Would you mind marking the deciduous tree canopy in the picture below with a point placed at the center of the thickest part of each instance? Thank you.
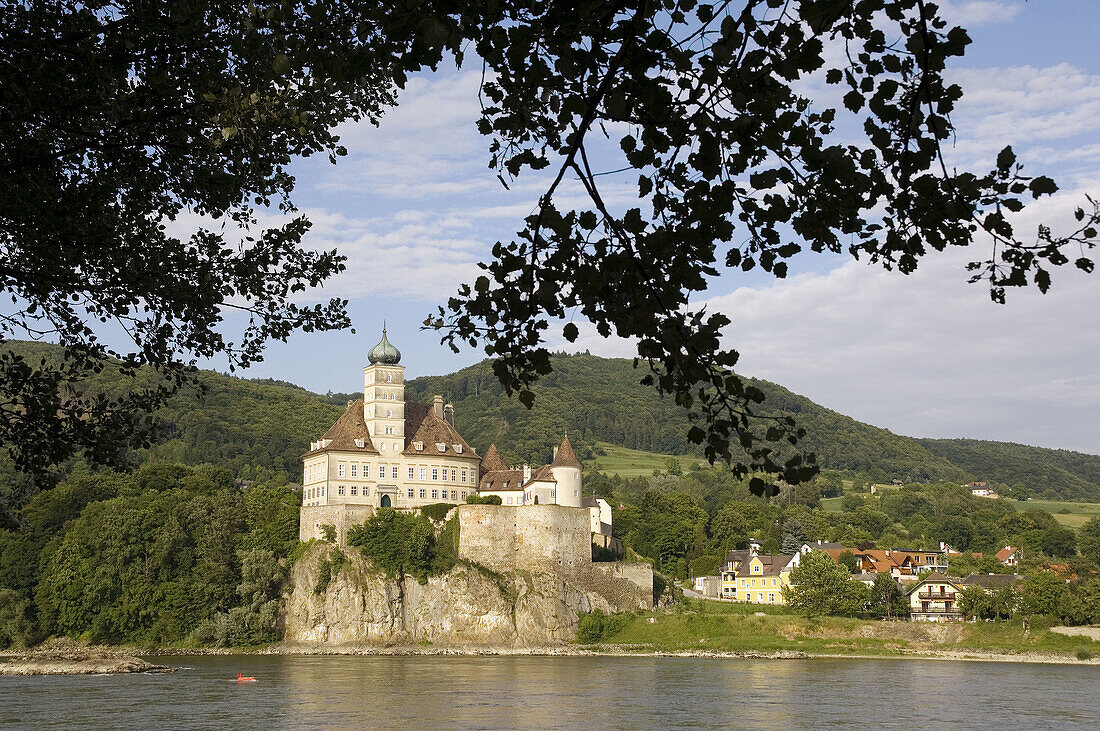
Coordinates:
(121, 117)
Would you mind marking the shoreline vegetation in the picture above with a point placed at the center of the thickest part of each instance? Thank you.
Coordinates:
(690, 630)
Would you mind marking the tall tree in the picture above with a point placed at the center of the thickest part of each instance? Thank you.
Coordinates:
(138, 143)
(820, 585)
(794, 535)
(734, 166)
(119, 118)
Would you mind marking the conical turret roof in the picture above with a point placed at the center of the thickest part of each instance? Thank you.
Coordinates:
(492, 461)
(384, 352)
(566, 457)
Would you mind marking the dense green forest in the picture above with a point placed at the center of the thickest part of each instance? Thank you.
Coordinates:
(601, 399)
(1049, 472)
(166, 555)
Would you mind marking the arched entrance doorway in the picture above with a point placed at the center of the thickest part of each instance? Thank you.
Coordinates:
(385, 501)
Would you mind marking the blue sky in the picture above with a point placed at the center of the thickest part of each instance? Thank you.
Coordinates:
(414, 207)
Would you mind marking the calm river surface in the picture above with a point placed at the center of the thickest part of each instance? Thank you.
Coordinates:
(561, 692)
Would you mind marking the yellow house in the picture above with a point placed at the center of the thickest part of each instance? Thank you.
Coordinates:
(761, 579)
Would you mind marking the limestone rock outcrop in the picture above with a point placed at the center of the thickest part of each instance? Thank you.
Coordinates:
(469, 607)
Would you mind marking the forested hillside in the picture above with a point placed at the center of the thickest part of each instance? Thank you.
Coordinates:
(256, 428)
(1060, 471)
(600, 399)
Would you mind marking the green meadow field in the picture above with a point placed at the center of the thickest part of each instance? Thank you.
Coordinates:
(637, 463)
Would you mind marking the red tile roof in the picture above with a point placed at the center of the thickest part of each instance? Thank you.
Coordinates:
(565, 456)
(492, 461)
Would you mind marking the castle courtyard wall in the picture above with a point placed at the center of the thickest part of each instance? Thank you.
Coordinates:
(528, 537)
(341, 517)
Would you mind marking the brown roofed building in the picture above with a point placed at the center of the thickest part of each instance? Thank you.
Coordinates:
(386, 452)
(558, 483)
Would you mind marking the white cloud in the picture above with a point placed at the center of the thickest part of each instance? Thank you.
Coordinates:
(929, 355)
(972, 13)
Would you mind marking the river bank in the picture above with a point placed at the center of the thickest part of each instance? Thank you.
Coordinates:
(77, 663)
(122, 659)
(699, 630)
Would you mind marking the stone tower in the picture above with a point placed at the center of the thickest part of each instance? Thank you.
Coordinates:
(384, 397)
(567, 473)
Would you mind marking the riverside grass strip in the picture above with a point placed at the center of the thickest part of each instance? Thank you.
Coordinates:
(736, 628)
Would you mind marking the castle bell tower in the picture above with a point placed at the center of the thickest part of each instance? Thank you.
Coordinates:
(384, 395)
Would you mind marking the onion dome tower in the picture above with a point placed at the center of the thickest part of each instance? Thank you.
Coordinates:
(384, 353)
(384, 397)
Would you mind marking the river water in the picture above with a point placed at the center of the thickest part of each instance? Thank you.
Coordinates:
(561, 692)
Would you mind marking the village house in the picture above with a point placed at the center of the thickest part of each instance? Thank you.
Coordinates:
(992, 582)
(1008, 556)
(902, 565)
(760, 579)
(934, 599)
(709, 586)
(730, 566)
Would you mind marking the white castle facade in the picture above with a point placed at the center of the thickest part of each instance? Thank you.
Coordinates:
(387, 452)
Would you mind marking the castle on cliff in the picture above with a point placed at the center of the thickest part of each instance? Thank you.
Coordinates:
(387, 452)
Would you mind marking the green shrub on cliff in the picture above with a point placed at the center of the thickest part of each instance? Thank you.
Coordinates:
(398, 543)
(436, 512)
(595, 626)
(483, 500)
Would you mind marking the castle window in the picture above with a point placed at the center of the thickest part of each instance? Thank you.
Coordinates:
(354, 489)
(463, 494)
(423, 473)
(410, 493)
(340, 490)
(418, 446)
(381, 472)
(366, 491)
(354, 470)
(458, 448)
(389, 430)
(360, 443)
(463, 475)
(441, 447)
(505, 486)
(340, 470)
(435, 476)
(412, 472)
(454, 494)
(423, 494)
(393, 473)
(435, 494)
(454, 475)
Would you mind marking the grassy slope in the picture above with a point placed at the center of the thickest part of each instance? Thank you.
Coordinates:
(723, 627)
(1071, 514)
(635, 462)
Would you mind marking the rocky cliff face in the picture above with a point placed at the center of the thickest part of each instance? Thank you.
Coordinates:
(468, 607)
